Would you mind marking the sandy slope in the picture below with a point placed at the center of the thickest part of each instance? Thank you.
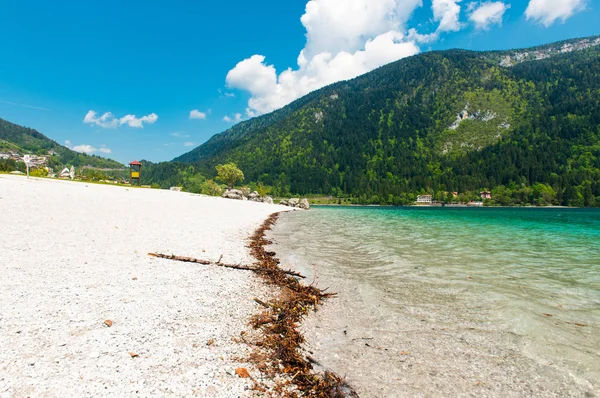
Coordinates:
(75, 254)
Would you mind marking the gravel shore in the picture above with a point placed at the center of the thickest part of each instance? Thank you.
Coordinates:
(73, 255)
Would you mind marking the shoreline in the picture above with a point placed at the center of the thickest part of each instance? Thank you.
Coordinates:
(75, 256)
(279, 353)
(453, 206)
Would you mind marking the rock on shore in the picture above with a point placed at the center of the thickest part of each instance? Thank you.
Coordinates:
(254, 196)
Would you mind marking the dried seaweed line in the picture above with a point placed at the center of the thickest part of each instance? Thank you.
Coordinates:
(279, 323)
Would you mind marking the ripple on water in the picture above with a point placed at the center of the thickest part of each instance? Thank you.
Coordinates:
(492, 294)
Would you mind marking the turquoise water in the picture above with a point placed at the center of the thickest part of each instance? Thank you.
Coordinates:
(533, 273)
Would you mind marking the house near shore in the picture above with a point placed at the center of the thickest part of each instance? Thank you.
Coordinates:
(485, 194)
(424, 199)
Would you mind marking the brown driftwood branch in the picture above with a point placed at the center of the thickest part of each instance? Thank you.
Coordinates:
(259, 301)
(219, 263)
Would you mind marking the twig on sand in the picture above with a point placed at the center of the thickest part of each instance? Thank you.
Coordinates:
(259, 301)
(220, 264)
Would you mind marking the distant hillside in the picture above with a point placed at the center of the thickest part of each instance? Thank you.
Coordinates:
(524, 123)
(29, 141)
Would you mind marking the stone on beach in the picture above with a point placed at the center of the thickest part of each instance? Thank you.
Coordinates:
(293, 202)
(234, 194)
(304, 204)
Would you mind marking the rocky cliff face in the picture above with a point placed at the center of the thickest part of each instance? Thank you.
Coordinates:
(548, 51)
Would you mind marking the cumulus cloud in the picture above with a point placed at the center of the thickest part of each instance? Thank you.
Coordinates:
(108, 120)
(333, 26)
(547, 12)
(415, 36)
(84, 149)
(189, 144)
(236, 118)
(345, 38)
(133, 121)
(196, 114)
(447, 13)
(487, 14)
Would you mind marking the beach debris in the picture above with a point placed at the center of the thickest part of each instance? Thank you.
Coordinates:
(259, 301)
(242, 372)
(278, 354)
(210, 342)
(404, 353)
(220, 264)
(548, 315)
(580, 324)
(133, 354)
(108, 322)
(134, 278)
(312, 360)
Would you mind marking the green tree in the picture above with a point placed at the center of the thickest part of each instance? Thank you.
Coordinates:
(229, 174)
(262, 189)
(211, 188)
(39, 172)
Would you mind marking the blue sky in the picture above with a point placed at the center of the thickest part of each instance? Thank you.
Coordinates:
(121, 78)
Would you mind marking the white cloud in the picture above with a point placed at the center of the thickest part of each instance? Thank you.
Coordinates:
(447, 13)
(108, 120)
(333, 26)
(133, 121)
(547, 12)
(488, 14)
(345, 38)
(422, 38)
(84, 149)
(189, 144)
(230, 95)
(236, 118)
(196, 114)
(179, 135)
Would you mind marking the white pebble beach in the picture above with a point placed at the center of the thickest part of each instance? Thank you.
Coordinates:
(73, 255)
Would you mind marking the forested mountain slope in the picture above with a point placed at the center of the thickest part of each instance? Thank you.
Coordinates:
(29, 141)
(440, 121)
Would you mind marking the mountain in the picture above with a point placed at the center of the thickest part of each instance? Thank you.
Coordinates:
(523, 123)
(23, 140)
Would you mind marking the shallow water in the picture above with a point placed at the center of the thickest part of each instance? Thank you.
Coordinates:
(453, 301)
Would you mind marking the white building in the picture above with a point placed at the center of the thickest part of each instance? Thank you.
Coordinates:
(424, 199)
